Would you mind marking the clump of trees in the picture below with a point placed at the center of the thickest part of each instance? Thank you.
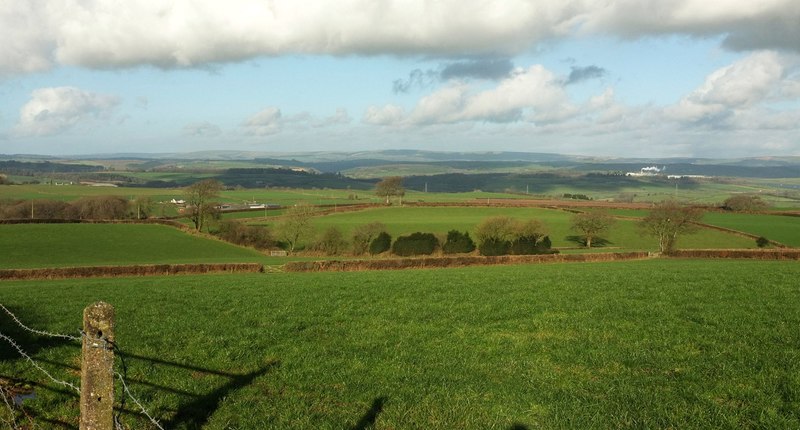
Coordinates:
(389, 187)
(246, 235)
(415, 244)
(669, 220)
(381, 243)
(502, 235)
(331, 242)
(744, 203)
(591, 225)
(90, 208)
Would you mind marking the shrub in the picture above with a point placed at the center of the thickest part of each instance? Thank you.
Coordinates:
(492, 247)
(458, 243)
(381, 243)
(544, 245)
(331, 242)
(240, 234)
(744, 203)
(415, 244)
(762, 242)
(364, 235)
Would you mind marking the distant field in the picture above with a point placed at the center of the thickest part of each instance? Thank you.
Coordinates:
(62, 245)
(623, 235)
(784, 229)
(648, 344)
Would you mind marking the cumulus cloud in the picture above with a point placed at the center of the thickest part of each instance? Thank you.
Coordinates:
(184, 33)
(55, 110)
(201, 129)
(760, 77)
(384, 115)
(272, 121)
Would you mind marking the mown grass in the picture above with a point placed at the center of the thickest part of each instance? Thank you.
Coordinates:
(63, 245)
(647, 344)
(784, 229)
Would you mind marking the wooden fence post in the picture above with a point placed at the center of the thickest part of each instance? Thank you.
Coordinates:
(97, 368)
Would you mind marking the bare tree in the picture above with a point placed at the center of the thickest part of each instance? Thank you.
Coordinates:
(364, 234)
(668, 220)
(199, 204)
(591, 225)
(390, 187)
(296, 224)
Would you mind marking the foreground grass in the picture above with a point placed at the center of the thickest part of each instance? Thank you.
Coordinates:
(648, 344)
(63, 245)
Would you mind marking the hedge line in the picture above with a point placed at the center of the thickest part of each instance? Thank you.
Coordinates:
(437, 262)
(756, 254)
(166, 222)
(138, 270)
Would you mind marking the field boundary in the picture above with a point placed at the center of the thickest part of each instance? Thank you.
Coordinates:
(136, 270)
(440, 262)
(739, 233)
(755, 254)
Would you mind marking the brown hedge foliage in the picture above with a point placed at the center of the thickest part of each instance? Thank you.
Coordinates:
(138, 270)
(757, 254)
(461, 261)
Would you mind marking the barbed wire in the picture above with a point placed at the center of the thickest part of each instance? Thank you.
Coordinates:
(106, 344)
(36, 365)
(39, 332)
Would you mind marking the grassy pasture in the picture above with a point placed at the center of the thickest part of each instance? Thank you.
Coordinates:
(647, 344)
(63, 245)
(784, 229)
(624, 234)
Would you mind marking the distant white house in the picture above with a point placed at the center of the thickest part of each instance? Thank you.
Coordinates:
(177, 202)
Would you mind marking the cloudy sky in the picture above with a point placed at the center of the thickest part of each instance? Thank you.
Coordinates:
(708, 78)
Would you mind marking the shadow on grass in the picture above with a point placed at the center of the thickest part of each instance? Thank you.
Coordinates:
(518, 426)
(368, 419)
(196, 413)
(597, 242)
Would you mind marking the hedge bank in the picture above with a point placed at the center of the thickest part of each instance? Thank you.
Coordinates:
(439, 262)
(138, 270)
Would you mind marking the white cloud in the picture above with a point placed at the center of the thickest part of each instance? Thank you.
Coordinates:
(268, 121)
(758, 78)
(534, 94)
(55, 110)
(190, 33)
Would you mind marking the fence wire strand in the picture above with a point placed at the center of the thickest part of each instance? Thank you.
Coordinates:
(106, 344)
(39, 332)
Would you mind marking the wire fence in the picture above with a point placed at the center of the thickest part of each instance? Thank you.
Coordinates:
(8, 398)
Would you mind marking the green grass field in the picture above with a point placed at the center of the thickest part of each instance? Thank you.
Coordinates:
(625, 234)
(62, 245)
(648, 344)
(784, 229)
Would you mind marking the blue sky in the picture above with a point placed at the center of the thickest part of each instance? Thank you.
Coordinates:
(606, 78)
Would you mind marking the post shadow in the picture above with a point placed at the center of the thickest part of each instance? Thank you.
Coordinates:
(369, 417)
(197, 412)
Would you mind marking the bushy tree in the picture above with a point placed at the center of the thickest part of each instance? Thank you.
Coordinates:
(381, 243)
(331, 241)
(762, 242)
(458, 243)
(415, 244)
(199, 201)
(296, 225)
(391, 186)
(668, 220)
(364, 234)
(591, 224)
(744, 203)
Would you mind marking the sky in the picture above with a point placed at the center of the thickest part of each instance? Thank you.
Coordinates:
(616, 78)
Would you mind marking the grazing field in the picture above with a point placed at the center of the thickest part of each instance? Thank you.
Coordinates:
(784, 229)
(62, 245)
(647, 344)
(625, 234)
